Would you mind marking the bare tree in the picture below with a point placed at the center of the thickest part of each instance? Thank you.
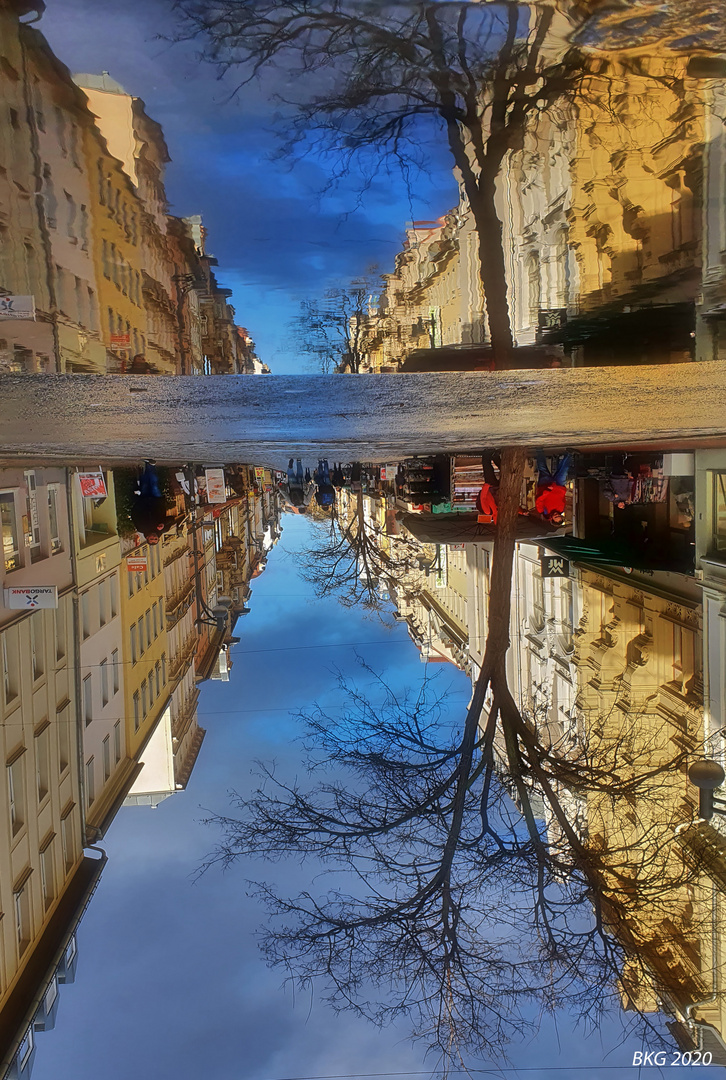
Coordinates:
(446, 904)
(375, 78)
(471, 915)
(329, 329)
(348, 558)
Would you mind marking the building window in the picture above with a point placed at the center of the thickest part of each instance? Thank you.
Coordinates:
(156, 628)
(86, 611)
(137, 711)
(130, 583)
(113, 595)
(47, 876)
(143, 699)
(63, 725)
(11, 549)
(102, 603)
(53, 526)
(115, 667)
(68, 839)
(148, 628)
(90, 782)
(151, 689)
(16, 795)
(36, 644)
(49, 198)
(26, 1048)
(59, 630)
(104, 681)
(718, 516)
(22, 917)
(134, 646)
(117, 742)
(71, 215)
(42, 763)
(163, 669)
(9, 671)
(106, 758)
(158, 678)
(87, 700)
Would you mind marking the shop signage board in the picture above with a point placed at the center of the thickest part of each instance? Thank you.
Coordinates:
(136, 563)
(552, 318)
(216, 487)
(31, 597)
(93, 485)
(17, 307)
(259, 474)
(554, 566)
(120, 341)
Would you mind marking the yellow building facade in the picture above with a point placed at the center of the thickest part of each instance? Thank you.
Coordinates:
(146, 651)
(116, 214)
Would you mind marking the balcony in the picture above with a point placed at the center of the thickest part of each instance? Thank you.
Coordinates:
(179, 603)
(183, 658)
(187, 711)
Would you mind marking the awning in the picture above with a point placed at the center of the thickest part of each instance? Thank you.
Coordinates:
(465, 529)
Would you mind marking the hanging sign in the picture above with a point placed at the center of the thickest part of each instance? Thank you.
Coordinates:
(93, 485)
(259, 474)
(136, 563)
(29, 598)
(554, 566)
(17, 307)
(216, 487)
(120, 341)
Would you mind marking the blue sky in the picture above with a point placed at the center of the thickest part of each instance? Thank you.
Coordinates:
(170, 983)
(277, 239)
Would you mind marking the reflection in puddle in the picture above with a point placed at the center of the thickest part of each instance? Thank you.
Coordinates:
(525, 486)
(547, 854)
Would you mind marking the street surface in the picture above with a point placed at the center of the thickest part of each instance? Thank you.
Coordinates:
(77, 418)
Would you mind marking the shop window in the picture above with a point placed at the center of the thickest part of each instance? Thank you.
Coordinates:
(718, 515)
(9, 519)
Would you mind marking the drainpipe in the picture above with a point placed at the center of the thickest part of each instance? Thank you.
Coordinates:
(714, 970)
(77, 682)
(39, 201)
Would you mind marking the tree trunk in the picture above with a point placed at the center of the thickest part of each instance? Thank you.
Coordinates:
(500, 579)
(492, 270)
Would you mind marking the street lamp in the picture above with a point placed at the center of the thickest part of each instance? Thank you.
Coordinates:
(707, 775)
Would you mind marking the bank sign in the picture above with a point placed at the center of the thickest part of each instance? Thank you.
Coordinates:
(27, 599)
(17, 307)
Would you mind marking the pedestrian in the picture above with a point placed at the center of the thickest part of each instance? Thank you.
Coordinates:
(296, 486)
(338, 479)
(148, 511)
(140, 365)
(488, 498)
(322, 473)
(325, 493)
(551, 494)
